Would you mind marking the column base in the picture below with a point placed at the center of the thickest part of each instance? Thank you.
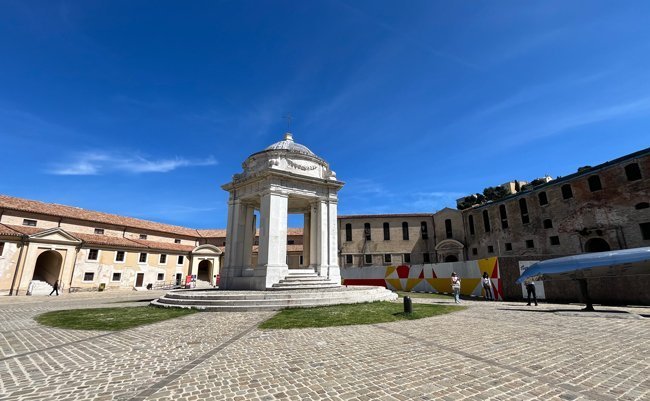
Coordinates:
(332, 273)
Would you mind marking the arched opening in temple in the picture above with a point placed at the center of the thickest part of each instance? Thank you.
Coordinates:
(204, 271)
(451, 258)
(597, 245)
(48, 267)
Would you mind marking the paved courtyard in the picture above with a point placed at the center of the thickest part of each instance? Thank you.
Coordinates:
(498, 351)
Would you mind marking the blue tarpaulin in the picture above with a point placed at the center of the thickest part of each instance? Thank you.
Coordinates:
(590, 265)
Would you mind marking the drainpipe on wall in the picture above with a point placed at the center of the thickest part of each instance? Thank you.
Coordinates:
(435, 240)
(124, 232)
(20, 258)
(78, 249)
(60, 219)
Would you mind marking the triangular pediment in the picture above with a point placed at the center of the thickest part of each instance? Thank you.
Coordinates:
(55, 235)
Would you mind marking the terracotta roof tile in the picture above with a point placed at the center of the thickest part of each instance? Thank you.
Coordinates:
(24, 230)
(8, 231)
(215, 233)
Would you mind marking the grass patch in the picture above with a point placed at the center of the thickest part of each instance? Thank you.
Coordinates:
(403, 294)
(109, 318)
(344, 315)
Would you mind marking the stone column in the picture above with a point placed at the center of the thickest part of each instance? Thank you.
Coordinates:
(313, 235)
(306, 238)
(323, 235)
(248, 237)
(272, 254)
(333, 272)
(230, 233)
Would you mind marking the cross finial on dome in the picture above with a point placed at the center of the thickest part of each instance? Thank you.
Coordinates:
(288, 136)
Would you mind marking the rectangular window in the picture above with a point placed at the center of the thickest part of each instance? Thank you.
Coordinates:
(594, 183)
(530, 243)
(163, 259)
(291, 242)
(490, 249)
(119, 256)
(117, 276)
(555, 240)
(645, 230)
(543, 199)
(405, 231)
(474, 251)
(387, 258)
(89, 276)
(180, 260)
(448, 229)
(143, 236)
(93, 254)
(504, 216)
(143, 257)
(548, 223)
(368, 259)
(29, 222)
(567, 192)
(508, 246)
(348, 232)
(424, 229)
(99, 231)
(426, 258)
(366, 231)
(302, 260)
(2, 248)
(348, 259)
(386, 232)
(633, 172)
(470, 222)
(486, 221)
(161, 277)
(407, 258)
(177, 241)
(523, 207)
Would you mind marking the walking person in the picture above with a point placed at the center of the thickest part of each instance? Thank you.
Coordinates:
(530, 289)
(55, 288)
(487, 286)
(455, 286)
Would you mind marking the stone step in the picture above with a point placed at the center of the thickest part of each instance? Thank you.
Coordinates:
(302, 279)
(271, 295)
(303, 286)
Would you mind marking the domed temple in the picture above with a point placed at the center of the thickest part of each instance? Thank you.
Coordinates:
(285, 178)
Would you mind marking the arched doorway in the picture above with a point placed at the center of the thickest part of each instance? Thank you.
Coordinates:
(451, 258)
(204, 270)
(597, 245)
(48, 267)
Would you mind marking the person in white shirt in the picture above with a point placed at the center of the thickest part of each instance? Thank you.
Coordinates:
(455, 286)
(487, 286)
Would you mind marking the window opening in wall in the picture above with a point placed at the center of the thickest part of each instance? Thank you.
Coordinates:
(474, 251)
(387, 258)
(405, 231)
(89, 276)
(29, 222)
(119, 256)
(93, 254)
(424, 229)
(594, 183)
(180, 260)
(162, 260)
(161, 277)
(348, 232)
(348, 259)
(530, 243)
(486, 221)
(177, 241)
(302, 260)
(470, 222)
(645, 230)
(366, 231)
(543, 199)
(523, 207)
(99, 231)
(386, 232)
(490, 249)
(407, 258)
(508, 246)
(448, 229)
(633, 172)
(426, 258)
(548, 223)
(567, 192)
(642, 205)
(223, 243)
(116, 277)
(143, 258)
(504, 216)
(368, 259)
(143, 236)
(290, 242)
(2, 248)
(555, 240)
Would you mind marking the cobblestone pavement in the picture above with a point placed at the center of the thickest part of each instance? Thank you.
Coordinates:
(497, 351)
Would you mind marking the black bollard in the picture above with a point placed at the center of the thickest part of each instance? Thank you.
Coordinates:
(408, 305)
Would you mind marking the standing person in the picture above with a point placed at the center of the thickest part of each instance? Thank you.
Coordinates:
(455, 286)
(530, 289)
(55, 287)
(487, 286)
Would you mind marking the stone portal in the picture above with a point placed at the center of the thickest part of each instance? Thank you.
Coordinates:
(284, 178)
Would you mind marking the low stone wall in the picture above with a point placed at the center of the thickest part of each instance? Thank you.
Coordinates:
(435, 278)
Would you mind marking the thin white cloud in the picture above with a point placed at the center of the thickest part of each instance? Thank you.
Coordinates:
(96, 163)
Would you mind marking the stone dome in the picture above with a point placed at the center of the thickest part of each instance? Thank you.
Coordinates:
(289, 145)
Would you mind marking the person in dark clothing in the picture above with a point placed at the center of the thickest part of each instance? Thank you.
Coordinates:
(589, 307)
(55, 288)
(530, 289)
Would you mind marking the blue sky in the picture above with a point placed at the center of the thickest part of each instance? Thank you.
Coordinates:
(146, 108)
